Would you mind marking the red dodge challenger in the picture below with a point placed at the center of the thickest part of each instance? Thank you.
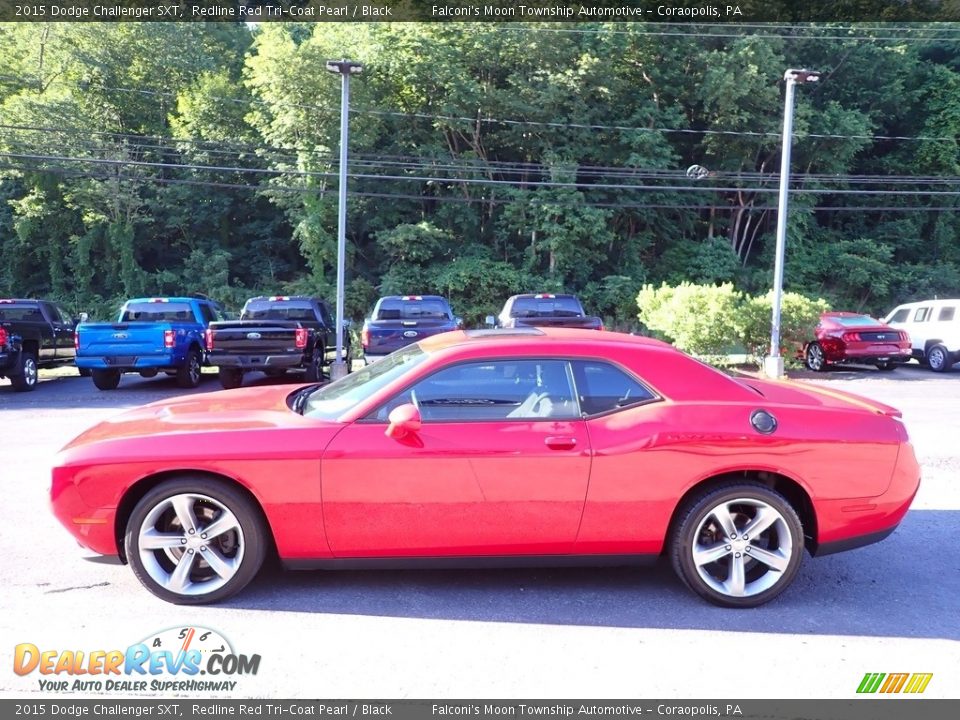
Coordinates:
(554, 446)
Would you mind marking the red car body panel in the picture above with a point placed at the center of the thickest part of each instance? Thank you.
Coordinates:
(609, 484)
(844, 342)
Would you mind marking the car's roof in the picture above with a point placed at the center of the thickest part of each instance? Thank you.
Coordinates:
(523, 336)
(934, 301)
(170, 298)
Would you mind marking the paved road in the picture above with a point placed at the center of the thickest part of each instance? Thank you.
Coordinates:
(508, 633)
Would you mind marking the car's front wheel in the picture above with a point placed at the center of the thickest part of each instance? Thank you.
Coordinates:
(188, 374)
(738, 545)
(27, 378)
(814, 358)
(230, 378)
(193, 541)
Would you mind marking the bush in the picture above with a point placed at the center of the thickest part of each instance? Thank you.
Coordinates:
(712, 320)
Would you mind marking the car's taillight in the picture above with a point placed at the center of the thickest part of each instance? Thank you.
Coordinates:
(168, 338)
(851, 337)
(76, 340)
(3, 336)
(301, 337)
(208, 338)
(904, 336)
(365, 337)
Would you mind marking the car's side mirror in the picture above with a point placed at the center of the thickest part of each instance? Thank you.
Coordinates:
(490, 321)
(458, 321)
(83, 317)
(403, 420)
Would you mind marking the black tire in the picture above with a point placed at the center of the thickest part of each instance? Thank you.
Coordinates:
(275, 372)
(938, 358)
(188, 374)
(150, 373)
(26, 378)
(814, 357)
(244, 546)
(84, 372)
(886, 366)
(230, 378)
(698, 527)
(315, 365)
(106, 379)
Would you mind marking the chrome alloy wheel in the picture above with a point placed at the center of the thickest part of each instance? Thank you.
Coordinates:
(815, 357)
(190, 544)
(742, 547)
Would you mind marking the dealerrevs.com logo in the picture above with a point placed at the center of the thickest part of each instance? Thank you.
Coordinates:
(894, 683)
(180, 659)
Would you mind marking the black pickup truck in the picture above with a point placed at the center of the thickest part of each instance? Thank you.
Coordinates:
(34, 334)
(546, 310)
(273, 335)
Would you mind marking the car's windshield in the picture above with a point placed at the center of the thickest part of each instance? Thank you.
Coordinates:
(331, 401)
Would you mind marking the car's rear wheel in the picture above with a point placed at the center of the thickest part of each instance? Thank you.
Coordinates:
(106, 379)
(27, 377)
(230, 378)
(814, 357)
(188, 374)
(192, 541)
(738, 545)
(938, 358)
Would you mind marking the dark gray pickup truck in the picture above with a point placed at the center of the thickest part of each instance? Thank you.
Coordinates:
(273, 335)
(546, 310)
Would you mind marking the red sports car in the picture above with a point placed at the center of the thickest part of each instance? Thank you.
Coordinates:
(555, 446)
(843, 337)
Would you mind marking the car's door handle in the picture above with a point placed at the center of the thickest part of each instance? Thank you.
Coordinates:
(561, 443)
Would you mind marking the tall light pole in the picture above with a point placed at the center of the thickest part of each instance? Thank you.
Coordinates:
(343, 68)
(773, 363)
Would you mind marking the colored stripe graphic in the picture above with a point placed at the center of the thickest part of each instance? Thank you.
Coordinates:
(870, 682)
(918, 683)
(895, 682)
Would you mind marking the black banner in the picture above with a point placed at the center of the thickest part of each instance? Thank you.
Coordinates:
(638, 11)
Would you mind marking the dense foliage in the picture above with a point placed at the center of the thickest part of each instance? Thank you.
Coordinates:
(484, 160)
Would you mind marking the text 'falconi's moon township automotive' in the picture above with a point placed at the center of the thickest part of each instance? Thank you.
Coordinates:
(519, 446)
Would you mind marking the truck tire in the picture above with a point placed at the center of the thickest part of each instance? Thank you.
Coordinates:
(188, 374)
(84, 372)
(230, 378)
(106, 379)
(26, 377)
(315, 365)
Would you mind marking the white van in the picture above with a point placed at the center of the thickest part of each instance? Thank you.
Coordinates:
(934, 329)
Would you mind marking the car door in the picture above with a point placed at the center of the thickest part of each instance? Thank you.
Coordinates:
(63, 328)
(499, 467)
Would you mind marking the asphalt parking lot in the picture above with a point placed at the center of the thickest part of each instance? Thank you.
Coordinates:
(614, 633)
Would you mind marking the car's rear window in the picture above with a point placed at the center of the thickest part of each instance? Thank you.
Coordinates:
(278, 310)
(412, 310)
(21, 312)
(157, 312)
(545, 307)
(856, 321)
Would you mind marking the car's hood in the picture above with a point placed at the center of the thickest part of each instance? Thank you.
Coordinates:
(229, 410)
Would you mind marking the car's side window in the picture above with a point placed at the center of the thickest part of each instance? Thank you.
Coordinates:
(921, 315)
(495, 390)
(603, 387)
(947, 314)
(900, 316)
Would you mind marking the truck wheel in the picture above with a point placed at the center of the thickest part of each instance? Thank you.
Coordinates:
(188, 374)
(230, 378)
(26, 378)
(106, 379)
(315, 366)
(84, 372)
(275, 372)
(938, 357)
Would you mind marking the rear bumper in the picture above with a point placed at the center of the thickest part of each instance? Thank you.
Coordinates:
(848, 523)
(129, 363)
(870, 355)
(256, 362)
(9, 362)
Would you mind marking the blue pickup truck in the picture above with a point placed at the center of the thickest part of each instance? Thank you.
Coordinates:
(151, 335)
(399, 320)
